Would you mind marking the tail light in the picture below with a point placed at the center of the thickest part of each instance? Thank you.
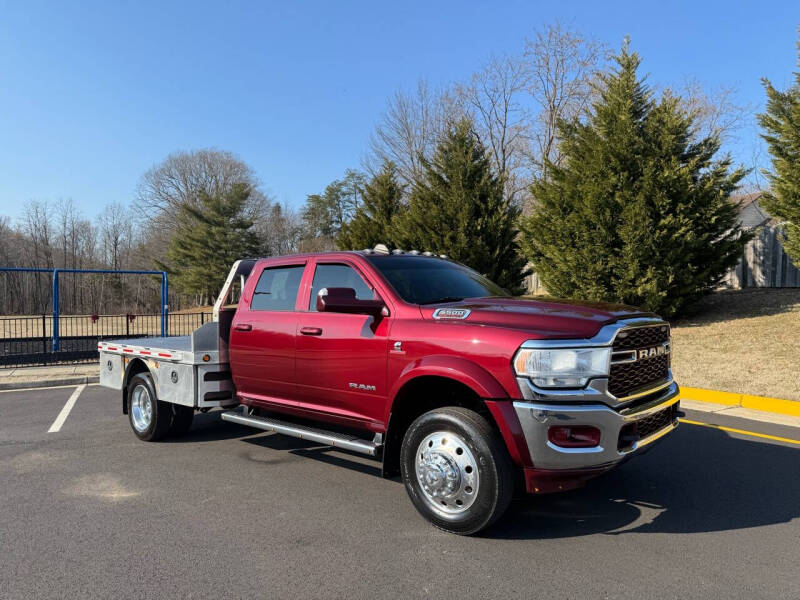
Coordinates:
(575, 436)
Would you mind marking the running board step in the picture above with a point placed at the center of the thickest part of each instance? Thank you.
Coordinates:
(322, 436)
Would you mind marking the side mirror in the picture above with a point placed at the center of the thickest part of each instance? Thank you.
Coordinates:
(343, 300)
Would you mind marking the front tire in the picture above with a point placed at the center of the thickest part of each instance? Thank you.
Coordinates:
(456, 470)
(149, 417)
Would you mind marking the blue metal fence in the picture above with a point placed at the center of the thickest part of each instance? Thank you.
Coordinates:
(55, 329)
(27, 341)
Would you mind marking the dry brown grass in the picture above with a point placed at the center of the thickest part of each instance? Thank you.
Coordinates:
(745, 341)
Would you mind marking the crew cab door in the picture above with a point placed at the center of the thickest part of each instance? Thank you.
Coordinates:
(262, 341)
(341, 358)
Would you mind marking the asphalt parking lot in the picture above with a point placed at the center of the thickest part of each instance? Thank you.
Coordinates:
(89, 511)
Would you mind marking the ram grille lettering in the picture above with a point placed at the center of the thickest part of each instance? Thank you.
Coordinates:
(652, 351)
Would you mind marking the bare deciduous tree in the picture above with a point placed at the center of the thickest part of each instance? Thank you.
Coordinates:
(755, 181)
(715, 109)
(718, 112)
(68, 224)
(410, 129)
(494, 99)
(12, 249)
(281, 230)
(515, 103)
(181, 177)
(116, 234)
(38, 226)
(562, 65)
(5, 239)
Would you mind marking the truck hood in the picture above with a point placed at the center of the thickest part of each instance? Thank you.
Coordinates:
(548, 317)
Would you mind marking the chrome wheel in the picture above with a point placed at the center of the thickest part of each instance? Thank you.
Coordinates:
(141, 408)
(447, 473)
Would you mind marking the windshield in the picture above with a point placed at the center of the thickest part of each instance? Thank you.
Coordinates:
(419, 280)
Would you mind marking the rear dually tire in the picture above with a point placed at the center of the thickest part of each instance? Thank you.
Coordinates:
(149, 417)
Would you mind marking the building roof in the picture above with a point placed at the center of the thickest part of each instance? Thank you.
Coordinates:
(751, 213)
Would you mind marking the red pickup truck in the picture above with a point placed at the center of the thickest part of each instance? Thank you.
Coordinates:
(459, 388)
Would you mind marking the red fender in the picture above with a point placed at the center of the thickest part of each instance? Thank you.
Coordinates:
(480, 381)
(475, 377)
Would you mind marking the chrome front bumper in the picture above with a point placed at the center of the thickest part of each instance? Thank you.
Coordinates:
(537, 417)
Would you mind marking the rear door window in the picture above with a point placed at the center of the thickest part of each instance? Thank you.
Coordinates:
(277, 288)
(341, 276)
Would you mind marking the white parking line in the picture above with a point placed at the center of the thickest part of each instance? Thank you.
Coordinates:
(62, 416)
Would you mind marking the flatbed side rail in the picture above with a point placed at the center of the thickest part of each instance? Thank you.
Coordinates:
(135, 350)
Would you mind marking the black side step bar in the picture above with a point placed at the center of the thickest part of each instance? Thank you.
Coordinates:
(303, 432)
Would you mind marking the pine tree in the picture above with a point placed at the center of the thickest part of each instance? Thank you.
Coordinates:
(325, 214)
(210, 237)
(781, 123)
(639, 211)
(371, 222)
(459, 209)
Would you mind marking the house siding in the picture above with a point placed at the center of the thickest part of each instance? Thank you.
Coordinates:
(764, 263)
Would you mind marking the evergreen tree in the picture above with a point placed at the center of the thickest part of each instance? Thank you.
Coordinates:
(211, 235)
(459, 209)
(781, 123)
(371, 222)
(324, 214)
(638, 212)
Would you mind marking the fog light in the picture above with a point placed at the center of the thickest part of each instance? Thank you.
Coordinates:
(576, 436)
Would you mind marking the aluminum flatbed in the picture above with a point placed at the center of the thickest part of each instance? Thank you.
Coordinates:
(178, 348)
(189, 370)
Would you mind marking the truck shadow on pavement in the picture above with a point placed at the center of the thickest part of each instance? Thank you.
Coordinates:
(326, 454)
(697, 480)
(209, 427)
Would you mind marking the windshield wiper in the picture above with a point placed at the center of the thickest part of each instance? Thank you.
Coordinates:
(445, 299)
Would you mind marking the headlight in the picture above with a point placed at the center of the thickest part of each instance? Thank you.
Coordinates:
(562, 367)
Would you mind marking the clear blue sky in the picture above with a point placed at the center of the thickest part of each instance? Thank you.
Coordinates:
(93, 94)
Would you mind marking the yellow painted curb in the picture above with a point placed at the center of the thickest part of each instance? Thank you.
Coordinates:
(774, 405)
(701, 395)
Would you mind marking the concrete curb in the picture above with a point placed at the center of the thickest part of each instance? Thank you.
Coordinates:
(42, 383)
(763, 403)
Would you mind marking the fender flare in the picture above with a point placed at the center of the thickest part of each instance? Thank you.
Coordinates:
(475, 377)
(126, 377)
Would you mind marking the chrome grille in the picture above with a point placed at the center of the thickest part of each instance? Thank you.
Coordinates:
(641, 337)
(628, 375)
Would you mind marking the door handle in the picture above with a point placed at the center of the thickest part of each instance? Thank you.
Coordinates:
(311, 330)
(243, 327)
